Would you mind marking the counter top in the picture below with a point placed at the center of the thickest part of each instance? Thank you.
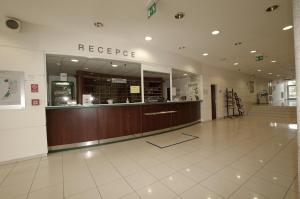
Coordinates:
(117, 104)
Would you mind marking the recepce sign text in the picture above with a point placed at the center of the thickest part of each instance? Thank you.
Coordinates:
(103, 50)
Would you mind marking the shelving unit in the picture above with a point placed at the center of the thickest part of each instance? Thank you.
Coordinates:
(101, 87)
(153, 91)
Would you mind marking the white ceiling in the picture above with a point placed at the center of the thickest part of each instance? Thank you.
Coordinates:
(62, 64)
(238, 20)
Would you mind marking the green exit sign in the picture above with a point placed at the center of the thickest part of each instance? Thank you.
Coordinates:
(152, 10)
(259, 58)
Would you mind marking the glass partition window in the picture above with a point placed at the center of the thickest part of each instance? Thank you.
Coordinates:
(186, 86)
(156, 86)
(81, 80)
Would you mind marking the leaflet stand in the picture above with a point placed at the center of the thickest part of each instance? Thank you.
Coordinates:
(230, 106)
(233, 103)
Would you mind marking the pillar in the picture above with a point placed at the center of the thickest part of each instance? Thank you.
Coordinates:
(296, 14)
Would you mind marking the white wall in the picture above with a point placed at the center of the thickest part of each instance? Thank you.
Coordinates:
(227, 79)
(23, 133)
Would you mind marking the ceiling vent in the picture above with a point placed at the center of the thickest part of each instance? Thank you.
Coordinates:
(13, 24)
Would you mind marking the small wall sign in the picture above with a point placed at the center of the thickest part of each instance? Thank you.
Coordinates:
(35, 102)
(34, 88)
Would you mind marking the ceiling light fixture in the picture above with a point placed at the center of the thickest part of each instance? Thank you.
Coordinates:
(278, 75)
(215, 32)
(86, 68)
(253, 51)
(74, 60)
(272, 8)
(179, 15)
(205, 54)
(185, 74)
(114, 65)
(259, 70)
(236, 63)
(270, 73)
(287, 27)
(148, 38)
(273, 61)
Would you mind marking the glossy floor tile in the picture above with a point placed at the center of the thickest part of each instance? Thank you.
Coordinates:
(242, 158)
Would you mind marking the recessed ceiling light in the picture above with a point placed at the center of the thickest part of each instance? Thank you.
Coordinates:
(179, 15)
(215, 32)
(114, 65)
(74, 60)
(86, 68)
(148, 38)
(259, 70)
(185, 74)
(205, 54)
(253, 51)
(272, 8)
(273, 61)
(287, 27)
(270, 73)
(236, 63)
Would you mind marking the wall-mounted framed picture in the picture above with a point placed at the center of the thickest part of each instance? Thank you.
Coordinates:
(12, 91)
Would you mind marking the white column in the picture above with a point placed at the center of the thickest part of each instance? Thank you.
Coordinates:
(171, 85)
(142, 84)
(296, 11)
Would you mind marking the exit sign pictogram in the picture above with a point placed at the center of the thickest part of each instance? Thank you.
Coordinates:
(259, 58)
(152, 10)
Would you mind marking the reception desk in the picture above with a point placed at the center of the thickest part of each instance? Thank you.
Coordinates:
(77, 126)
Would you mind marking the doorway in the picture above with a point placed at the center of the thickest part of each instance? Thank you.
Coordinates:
(213, 102)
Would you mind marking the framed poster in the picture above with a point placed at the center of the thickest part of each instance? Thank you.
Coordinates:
(12, 92)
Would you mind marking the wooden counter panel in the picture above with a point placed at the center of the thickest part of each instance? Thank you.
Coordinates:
(156, 122)
(75, 125)
(185, 113)
(118, 121)
(67, 126)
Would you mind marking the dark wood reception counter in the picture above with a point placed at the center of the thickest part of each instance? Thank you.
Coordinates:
(77, 126)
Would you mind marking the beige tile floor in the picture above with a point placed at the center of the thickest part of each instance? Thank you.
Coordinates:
(246, 158)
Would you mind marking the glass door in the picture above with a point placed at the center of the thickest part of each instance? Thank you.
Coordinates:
(291, 88)
(292, 92)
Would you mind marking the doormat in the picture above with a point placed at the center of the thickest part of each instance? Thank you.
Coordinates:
(167, 140)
